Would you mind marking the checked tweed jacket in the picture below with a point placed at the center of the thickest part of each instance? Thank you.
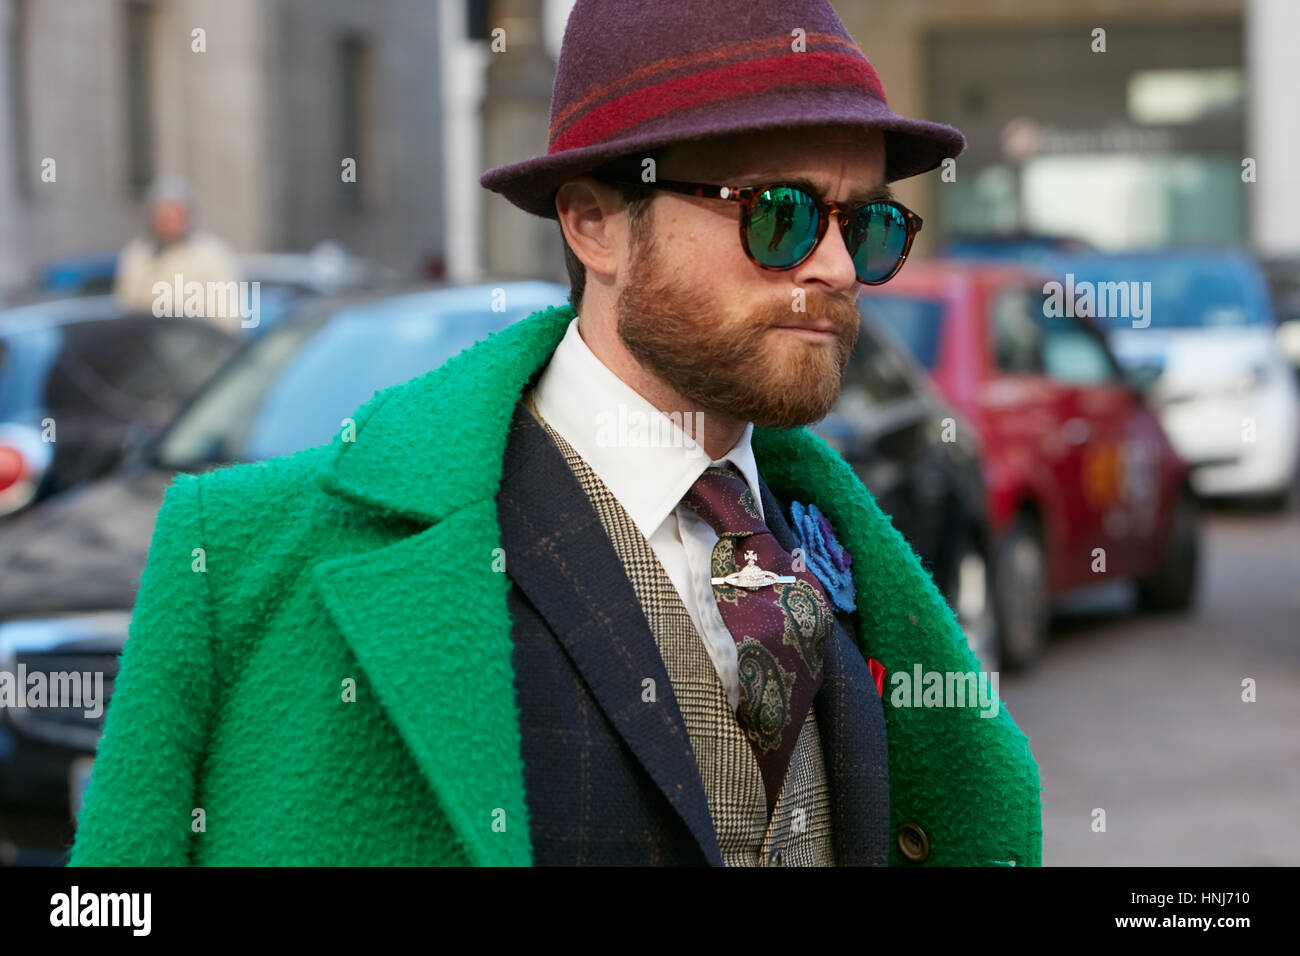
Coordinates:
(727, 767)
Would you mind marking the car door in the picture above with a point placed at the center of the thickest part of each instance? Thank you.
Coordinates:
(1120, 456)
(1040, 428)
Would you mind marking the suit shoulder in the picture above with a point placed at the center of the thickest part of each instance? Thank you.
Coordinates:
(267, 491)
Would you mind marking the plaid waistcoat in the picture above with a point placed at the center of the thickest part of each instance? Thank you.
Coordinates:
(799, 831)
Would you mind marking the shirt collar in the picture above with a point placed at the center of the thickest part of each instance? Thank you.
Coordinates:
(644, 458)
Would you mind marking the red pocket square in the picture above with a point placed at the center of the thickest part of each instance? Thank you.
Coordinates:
(878, 674)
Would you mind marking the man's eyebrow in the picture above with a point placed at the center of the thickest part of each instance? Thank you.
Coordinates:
(871, 194)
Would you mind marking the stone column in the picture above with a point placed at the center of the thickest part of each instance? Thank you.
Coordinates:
(516, 114)
(13, 258)
(1273, 124)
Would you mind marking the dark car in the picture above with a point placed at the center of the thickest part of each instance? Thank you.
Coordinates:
(922, 465)
(81, 379)
(70, 566)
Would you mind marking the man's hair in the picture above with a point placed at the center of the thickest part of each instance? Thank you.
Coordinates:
(637, 196)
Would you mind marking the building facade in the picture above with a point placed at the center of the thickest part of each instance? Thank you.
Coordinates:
(260, 104)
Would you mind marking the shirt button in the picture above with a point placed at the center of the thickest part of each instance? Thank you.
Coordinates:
(775, 857)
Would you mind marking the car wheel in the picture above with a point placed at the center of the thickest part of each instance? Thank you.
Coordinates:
(1172, 585)
(1022, 604)
(971, 591)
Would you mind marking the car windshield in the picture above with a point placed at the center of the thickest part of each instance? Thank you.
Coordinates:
(1183, 293)
(293, 388)
(913, 322)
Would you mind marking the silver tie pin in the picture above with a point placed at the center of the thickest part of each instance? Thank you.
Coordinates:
(751, 576)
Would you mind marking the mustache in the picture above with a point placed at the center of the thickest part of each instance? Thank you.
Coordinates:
(837, 311)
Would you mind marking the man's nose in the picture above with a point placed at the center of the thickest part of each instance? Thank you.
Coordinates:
(831, 261)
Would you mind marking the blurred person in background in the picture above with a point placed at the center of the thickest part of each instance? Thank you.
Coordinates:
(175, 245)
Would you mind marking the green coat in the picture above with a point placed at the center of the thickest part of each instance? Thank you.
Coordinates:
(319, 663)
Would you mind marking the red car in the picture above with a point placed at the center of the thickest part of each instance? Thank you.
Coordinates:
(1082, 483)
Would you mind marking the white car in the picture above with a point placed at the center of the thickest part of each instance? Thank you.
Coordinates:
(1203, 322)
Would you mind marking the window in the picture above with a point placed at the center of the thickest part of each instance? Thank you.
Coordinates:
(139, 96)
(136, 369)
(477, 25)
(1186, 95)
(1073, 354)
(355, 115)
(108, 377)
(1017, 335)
(291, 388)
(17, 47)
(1029, 341)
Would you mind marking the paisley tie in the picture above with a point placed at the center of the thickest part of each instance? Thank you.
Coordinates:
(780, 629)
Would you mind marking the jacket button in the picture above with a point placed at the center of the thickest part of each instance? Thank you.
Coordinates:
(913, 842)
(775, 857)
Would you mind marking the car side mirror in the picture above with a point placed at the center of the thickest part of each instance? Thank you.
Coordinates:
(1143, 377)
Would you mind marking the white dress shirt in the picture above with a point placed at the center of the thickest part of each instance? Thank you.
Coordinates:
(648, 463)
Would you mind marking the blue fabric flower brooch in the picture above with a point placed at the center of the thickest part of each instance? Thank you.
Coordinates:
(824, 555)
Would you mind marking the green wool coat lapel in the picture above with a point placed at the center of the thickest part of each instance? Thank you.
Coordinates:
(430, 451)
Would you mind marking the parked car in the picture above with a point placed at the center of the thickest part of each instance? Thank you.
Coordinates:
(80, 275)
(70, 567)
(284, 280)
(1081, 481)
(80, 379)
(1226, 393)
(923, 468)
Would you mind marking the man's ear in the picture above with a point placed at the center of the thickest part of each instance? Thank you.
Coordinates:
(586, 209)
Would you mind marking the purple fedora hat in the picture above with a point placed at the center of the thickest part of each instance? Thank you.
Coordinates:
(634, 77)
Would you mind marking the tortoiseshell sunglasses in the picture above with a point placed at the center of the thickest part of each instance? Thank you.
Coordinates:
(781, 224)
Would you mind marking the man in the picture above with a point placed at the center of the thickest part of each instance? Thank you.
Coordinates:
(175, 246)
(500, 627)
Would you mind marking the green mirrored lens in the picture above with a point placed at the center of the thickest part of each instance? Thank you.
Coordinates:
(782, 226)
(879, 231)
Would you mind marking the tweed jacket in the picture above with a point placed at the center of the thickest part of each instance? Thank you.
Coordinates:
(609, 672)
(319, 668)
